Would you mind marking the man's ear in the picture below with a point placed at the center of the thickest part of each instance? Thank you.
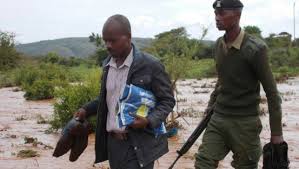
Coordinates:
(130, 36)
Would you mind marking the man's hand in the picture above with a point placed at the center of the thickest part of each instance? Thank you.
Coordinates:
(139, 122)
(81, 114)
(277, 139)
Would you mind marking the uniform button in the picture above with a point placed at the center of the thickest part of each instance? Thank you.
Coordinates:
(141, 165)
(141, 81)
(135, 148)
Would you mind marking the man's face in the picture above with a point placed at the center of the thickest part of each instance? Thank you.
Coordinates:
(116, 42)
(226, 19)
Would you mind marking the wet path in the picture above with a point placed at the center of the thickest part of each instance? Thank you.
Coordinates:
(20, 119)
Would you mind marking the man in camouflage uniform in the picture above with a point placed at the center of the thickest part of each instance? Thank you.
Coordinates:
(242, 64)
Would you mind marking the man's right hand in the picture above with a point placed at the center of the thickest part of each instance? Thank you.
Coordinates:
(81, 114)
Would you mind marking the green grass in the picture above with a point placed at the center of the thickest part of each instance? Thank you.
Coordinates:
(203, 68)
(80, 73)
(282, 73)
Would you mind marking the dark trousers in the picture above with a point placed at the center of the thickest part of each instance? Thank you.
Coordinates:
(121, 155)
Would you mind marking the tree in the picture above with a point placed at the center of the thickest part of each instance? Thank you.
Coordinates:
(281, 40)
(253, 30)
(175, 51)
(8, 55)
(51, 57)
(101, 52)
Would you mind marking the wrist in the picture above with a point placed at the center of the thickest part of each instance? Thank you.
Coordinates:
(82, 110)
(82, 113)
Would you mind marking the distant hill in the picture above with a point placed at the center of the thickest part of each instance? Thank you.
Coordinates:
(77, 46)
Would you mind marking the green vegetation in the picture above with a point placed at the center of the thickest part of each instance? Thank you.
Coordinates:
(71, 97)
(66, 61)
(253, 30)
(77, 46)
(69, 69)
(177, 51)
(203, 68)
(27, 154)
(8, 55)
(39, 81)
(283, 53)
(284, 57)
(7, 79)
(173, 49)
(101, 53)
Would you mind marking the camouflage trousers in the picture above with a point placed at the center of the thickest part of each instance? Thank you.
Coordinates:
(226, 133)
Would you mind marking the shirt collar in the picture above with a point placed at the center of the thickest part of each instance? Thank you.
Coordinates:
(237, 42)
(127, 62)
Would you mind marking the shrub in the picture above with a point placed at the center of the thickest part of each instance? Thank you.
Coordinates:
(71, 97)
(6, 79)
(39, 81)
(26, 75)
(203, 68)
(40, 89)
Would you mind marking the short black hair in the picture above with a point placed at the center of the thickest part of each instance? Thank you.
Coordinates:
(123, 22)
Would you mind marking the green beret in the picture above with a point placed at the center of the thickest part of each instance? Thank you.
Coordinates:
(227, 4)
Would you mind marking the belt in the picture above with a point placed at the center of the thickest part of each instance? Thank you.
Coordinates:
(119, 136)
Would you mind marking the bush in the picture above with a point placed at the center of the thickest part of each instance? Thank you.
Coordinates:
(72, 97)
(283, 73)
(279, 57)
(39, 81)
(40, 89)
(26, 75)
(203, 68)
(284, 62)
(6, 79)
(54, 58)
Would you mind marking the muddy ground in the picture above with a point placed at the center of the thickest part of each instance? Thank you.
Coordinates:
(21, 120)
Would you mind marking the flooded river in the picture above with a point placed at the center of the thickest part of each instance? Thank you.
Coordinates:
(21, 119)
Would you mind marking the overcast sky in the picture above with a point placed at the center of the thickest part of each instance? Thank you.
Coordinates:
(35, 20)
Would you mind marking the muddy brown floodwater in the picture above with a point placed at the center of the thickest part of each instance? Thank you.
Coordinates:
(20, 119)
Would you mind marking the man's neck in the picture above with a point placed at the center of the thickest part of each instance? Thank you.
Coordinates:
(119, 61)
(232, 34)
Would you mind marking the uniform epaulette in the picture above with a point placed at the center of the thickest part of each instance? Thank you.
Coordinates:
(256, 41)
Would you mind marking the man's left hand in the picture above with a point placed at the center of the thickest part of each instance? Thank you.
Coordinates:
(139, 122)
(277, 139)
